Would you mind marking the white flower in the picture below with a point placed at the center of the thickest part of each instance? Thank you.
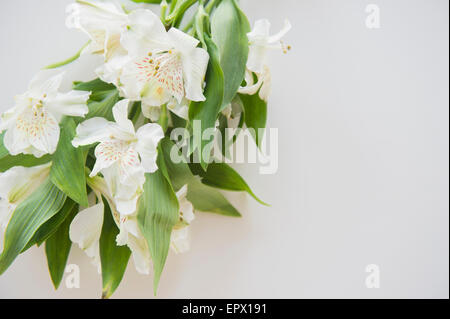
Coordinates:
(103, 22)
(164, 67)
(32, 125)
(123, 155)
(264, 84)
(179, 241)
(16, 184)
(86, 228)
(261, 41)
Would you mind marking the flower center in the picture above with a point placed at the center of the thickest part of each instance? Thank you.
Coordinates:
(163, 73)
(35, 121)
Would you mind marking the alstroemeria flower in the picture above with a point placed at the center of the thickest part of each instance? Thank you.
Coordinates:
(179, 241)
(164, 67)
(123, 155)
(261, 41)
(103, 22)
(263, 86)
(16, 184)
(32, 125)
(86, 229)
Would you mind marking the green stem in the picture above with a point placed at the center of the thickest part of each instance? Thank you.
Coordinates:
(211, 4)
(69, 60)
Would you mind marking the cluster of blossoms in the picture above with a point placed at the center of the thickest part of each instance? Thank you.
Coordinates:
(148, 63)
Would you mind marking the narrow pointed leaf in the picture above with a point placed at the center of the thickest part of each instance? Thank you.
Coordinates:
(158, 213)
(229, 30)
(204, 198)
(28, 217)
(53, 224)
(68, 172)
(207, 112)
(114, 259)
(57, 249)
(221, 175)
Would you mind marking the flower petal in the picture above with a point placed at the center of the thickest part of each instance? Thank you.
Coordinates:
(72, 103)
(45, 84)
(41, 128)
(179, 242)
(86, 228)
(92, 131)
(120, 112)
(141, 254)
(257, 58)
(145, 33)
(195, 64)
(181, 41)
(149, 136)
(277, 37)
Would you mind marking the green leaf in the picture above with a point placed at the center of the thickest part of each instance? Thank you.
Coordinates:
(8, 161)
(57, 248)
(255, 115)
(28, 217)
(221, 175)
(52, 225)
(202, 197)
(103, 97)
(207, 111)
(208, 200)
(158, 213)
(68, 172)
(114, 259)
(229, 29)
(96, 85)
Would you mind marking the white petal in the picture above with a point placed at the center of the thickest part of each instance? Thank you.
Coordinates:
(277, 37)
(107, 153)
(86, 227)
(141, 254)
(149, 136)
(102, 22)
(195, 64)
(41, 129)
(257, 58)
(180, 240)
(120, 112)
(260, 31)
(151, 112)
(19, 182)
(46, 83)
(183, 42)
(180, 109)
(111, 70)
(266, 87)
(72, 103)
(187, 211)
(92, 131)
(125, 184)
(16, 141)
(145, 33)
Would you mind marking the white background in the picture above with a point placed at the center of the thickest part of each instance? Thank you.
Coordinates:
(363, 160)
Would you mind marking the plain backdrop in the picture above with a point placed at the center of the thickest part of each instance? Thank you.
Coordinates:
(363, 173)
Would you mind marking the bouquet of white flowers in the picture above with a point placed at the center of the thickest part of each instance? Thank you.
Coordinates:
(120, 164)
